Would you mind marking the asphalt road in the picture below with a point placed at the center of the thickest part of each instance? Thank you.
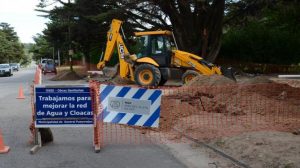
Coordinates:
(72, 147)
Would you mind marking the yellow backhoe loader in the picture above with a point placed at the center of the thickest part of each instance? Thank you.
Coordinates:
(156, 59)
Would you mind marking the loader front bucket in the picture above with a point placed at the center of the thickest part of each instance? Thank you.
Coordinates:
(228, 72)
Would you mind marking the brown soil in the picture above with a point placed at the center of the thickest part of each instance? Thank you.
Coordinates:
(215, 107)
(254, 80)
(219, 80)
(291, 82)
(252, 119)
(248, 105)
(263, 149)
(67, 75)
(119, 81)
(214, 80)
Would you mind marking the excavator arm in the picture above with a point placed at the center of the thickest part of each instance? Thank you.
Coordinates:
(114, 39)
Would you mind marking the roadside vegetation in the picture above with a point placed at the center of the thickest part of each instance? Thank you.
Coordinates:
(263, 31)
(268, 34)
(244, 32)
(11, 49)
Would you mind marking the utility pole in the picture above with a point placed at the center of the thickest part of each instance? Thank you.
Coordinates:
(53, 54)
(71, 52)
(58, 57)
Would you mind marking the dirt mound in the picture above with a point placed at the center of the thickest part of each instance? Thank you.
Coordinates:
(120, 81)
(218, 80)
(213, 107)
(67, 75)
(291, 82)
(263, 149)
(213, 80)
(254, 80)
(241, 107)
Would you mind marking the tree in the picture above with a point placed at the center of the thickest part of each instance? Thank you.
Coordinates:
(197, 24)
(11, 50)
(271, 35)
(77, 25)
(4, 48)
(89, 33)
(41, 48)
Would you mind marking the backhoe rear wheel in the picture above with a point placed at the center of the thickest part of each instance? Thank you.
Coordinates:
(147, 75)
(189, 75)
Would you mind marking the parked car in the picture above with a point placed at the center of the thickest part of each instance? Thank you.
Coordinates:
(43, 63)
(15, 66)
(5, 70)
(49, 67)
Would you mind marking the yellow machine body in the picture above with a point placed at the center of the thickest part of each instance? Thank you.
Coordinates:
(152, 69)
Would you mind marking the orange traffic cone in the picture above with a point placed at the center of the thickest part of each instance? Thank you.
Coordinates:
(35, 78)
(3, 148)
(21, 94)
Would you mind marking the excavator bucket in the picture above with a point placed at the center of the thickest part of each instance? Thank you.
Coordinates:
(109, 73)
(228, 72)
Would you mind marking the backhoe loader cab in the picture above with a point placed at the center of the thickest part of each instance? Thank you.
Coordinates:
(157, 45)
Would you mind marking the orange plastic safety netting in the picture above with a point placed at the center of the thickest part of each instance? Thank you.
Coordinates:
(208, 112)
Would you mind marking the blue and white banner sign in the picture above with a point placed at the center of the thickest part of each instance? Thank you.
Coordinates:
(131, 106)
(63, 106)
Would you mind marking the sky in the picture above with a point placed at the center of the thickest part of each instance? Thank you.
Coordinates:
(20, 14)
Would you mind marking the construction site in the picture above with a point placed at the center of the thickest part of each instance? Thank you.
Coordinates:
(236, 117)
(253, 120)
(150, 84)
(250, 120)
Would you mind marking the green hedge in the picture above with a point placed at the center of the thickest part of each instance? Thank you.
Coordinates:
(262, 44)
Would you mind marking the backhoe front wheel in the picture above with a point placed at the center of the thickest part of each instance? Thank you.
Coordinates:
(147, 75)
(189, 75)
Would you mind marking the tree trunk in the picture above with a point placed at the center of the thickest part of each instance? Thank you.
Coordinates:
(87, 58)
(197, 29)
(215, 27)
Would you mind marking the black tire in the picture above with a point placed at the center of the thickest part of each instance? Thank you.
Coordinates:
(9, 74)
(46, 135)
(146, 79)
(187, 74)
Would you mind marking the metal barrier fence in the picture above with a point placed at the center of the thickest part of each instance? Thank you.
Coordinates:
(208, 112)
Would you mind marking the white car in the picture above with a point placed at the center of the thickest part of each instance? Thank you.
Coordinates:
(5, 70)
(15, 66)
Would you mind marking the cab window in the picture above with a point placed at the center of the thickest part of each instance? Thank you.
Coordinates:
(157, 44)
(142, 46)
